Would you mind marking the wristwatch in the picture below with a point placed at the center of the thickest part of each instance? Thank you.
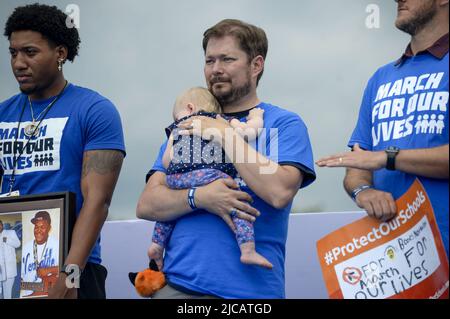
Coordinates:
(391, 152)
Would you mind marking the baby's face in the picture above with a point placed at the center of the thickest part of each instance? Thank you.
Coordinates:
(180, 114)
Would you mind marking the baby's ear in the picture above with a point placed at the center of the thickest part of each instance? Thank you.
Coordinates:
(191, 107)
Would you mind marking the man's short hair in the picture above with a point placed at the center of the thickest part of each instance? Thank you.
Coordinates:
(252, 39)
(48, 21)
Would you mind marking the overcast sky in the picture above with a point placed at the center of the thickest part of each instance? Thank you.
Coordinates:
(142, 53)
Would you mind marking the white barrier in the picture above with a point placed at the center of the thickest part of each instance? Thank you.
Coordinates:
(125, 243)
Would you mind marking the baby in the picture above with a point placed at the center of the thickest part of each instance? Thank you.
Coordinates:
(184, 173)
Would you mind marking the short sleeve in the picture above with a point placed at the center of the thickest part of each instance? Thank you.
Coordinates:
(289, 144)
(362, 134)
(103, 128)
(158, 165)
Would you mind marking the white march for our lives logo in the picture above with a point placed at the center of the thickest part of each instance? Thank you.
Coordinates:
(42, 153)
(412, 105)
(391, 268)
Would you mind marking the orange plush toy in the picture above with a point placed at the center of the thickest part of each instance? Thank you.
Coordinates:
(148, 281)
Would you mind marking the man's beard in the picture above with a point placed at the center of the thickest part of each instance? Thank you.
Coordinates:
(234, 95)
(423, 16)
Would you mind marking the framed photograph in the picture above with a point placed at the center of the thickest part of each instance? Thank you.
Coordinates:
(35, 233)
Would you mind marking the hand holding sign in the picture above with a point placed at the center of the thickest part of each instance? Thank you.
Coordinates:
(401, 258)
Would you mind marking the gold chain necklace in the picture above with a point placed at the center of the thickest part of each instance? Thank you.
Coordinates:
(35, 253)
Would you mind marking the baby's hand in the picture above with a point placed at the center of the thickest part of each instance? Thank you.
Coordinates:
(236, 124)
(220, 118)
(255, 113)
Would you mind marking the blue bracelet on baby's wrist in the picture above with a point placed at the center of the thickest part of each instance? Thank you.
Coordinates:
(191, 198)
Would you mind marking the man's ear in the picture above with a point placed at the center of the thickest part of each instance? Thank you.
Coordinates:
(257, 65)
(62, 52)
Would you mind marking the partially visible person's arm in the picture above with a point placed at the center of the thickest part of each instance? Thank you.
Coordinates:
(430, 162)
(13, 240)
(160, 203)
(100, 173)
(284, 181)
(427, 162)
(255, 169)
(378, 204)
(168, 153)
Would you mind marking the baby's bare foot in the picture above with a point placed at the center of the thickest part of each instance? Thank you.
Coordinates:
(256, 259)
(249, 256)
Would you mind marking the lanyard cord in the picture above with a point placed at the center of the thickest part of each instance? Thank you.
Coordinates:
(16, 158)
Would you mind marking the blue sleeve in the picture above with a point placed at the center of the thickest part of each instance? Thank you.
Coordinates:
(294, 147)
(103, 128)
(362, 134)
(158, 165)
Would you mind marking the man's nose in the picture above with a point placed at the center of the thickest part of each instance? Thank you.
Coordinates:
(217, 67)
(18, 62)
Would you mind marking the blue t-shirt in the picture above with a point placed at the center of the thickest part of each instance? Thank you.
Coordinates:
(202, 254)
(406, 105)
(81, 120)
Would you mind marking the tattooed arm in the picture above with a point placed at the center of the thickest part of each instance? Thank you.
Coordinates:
(99, 176)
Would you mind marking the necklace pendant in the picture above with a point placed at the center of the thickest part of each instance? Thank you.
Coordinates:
(31, 129)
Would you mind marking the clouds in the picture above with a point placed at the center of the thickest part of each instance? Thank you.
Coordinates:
(141, 54)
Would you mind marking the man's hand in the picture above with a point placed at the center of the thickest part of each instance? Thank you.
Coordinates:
(60, 291)
(221, 198)
(359, 159)
(378, 204)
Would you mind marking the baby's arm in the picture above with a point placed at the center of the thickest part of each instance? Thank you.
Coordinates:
(168, 153)
(255, 121)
